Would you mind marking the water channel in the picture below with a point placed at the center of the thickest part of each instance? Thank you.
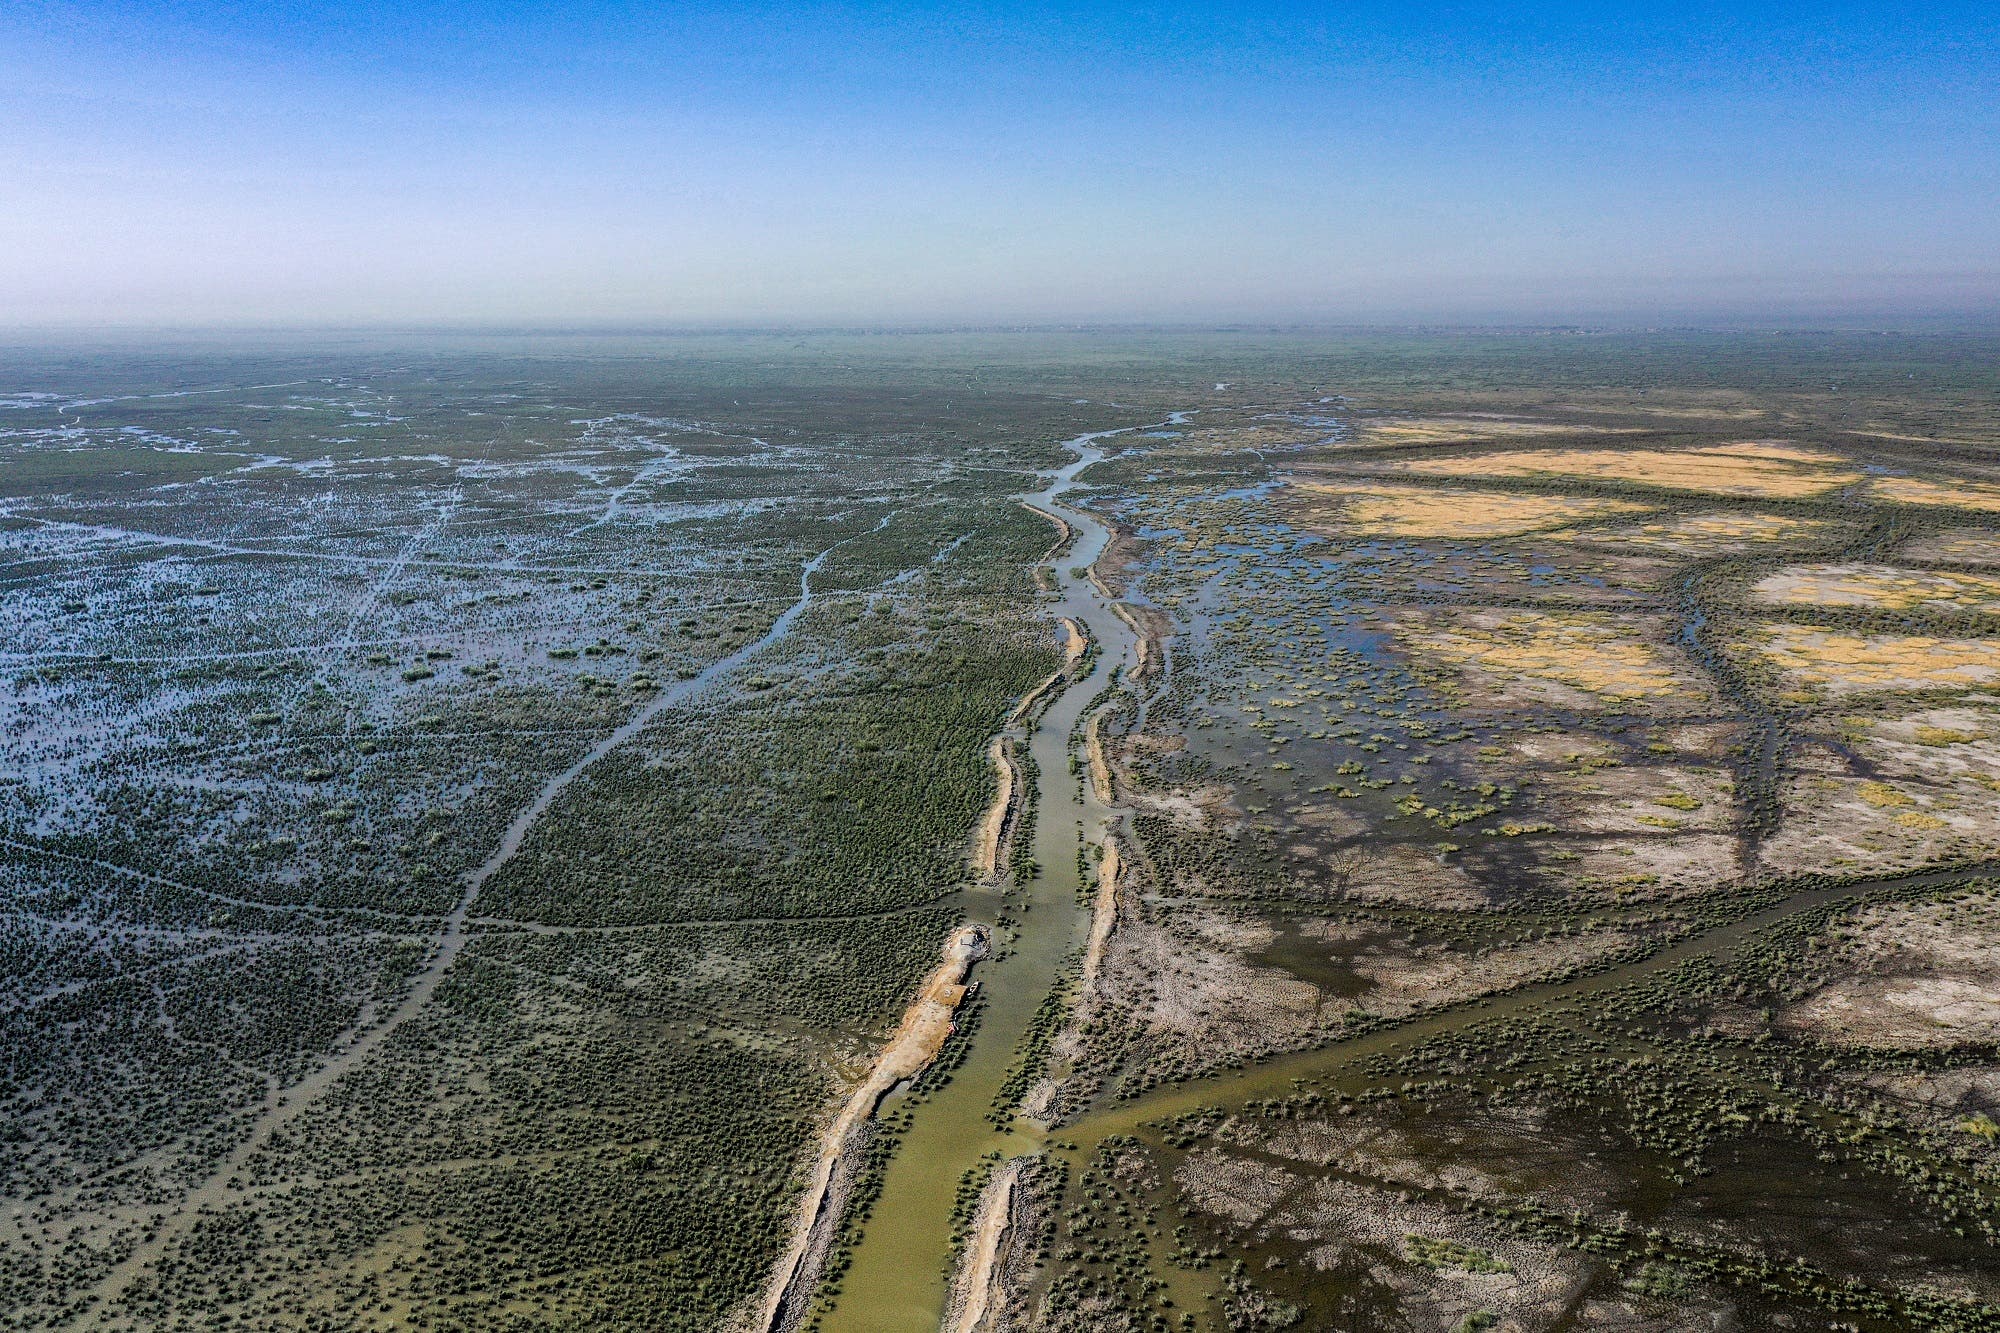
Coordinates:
(898, 1283)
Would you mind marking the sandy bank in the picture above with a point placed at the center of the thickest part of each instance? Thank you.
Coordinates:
(1045, 578)
(1076, 643)
(1103, 912)
(916, 1042)
(1100, 767)
(976, 1297)
(993, 828)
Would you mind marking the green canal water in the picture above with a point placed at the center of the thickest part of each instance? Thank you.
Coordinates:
(897, 1282)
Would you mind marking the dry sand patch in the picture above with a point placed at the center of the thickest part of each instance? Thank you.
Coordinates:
(1651, 868)
(1948, 1098)
(1441, 1266)
(1194, 998)
(1265, 435)
(1639, 798)
(1962, 546)
(1421, 511)
(1574, 659)
(1901, 1011)
(1952, 494)
(1709, 534)
(1943, 747)
(1879, 587)
(1910, 974)
(1493, 1154)
(1469, 428)
(1843, 663)
(1394, 873)
(1849, 824)
(1768, 469)
(1404, 979)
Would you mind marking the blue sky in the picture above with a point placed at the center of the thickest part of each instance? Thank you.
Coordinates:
(658, 163)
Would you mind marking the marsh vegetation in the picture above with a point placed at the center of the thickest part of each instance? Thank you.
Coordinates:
(471, 815)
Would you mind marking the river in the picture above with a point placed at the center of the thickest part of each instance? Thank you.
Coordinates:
(897, 1282)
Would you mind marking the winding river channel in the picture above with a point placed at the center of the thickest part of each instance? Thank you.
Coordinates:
(897, 1281)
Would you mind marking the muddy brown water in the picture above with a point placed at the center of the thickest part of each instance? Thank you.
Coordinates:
(1338, 1064)
(1344, 1066)
(897, 1281)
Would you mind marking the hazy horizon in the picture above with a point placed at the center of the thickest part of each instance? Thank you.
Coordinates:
(722, 167)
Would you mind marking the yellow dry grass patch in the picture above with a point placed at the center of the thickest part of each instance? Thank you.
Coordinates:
(1884, 797)
(1883, 587)
(1844, 662)
(1755, 468)
(1699, 413)
(1265, 436)
(1471, 428)
(1417, 511)
(1956, 494)
(1700, 531)
(1958, 548)
(1593, 653)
